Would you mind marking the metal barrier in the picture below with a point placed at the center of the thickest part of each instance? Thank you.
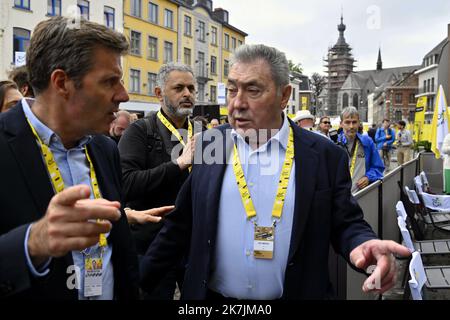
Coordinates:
(378, 202)
(390, 196)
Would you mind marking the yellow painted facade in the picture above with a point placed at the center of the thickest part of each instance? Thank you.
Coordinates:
(227, 52)
(143, 62)
(185, 43)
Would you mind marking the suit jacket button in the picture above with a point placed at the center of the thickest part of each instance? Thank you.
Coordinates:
(209, 242)
(204, 283)
(291, 264)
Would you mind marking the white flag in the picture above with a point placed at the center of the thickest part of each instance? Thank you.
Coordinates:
(439, 125)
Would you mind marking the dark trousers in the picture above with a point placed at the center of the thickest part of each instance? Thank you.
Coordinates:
(165, 289)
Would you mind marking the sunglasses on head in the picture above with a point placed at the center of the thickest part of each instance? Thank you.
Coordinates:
(326, 122)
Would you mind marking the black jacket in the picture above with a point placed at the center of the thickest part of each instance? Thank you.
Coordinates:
(25, 192)
(150, 178)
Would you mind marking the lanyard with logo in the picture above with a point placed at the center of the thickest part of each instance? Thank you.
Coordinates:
(93, 266)
(353, 155)
(264, 236)
(173, 130)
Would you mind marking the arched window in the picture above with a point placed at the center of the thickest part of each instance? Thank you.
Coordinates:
(355, 101)
(21, 40)
(344, 100)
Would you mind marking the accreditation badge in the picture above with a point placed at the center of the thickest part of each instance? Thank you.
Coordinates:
(263, 242)
(93, 276)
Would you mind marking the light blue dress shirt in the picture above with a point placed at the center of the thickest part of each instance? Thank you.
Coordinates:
(75, 170)
(236, 273)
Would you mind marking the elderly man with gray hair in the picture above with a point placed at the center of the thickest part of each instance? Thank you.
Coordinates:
(364, 161)
(252, 233)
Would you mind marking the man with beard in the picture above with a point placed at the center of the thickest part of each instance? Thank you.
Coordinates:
(153, 165)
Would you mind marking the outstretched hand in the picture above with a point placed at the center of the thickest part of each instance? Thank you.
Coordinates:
(71, 223)
(378, 253)
(145, 216)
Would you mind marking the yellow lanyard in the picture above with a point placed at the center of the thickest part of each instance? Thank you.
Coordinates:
(282, 185)
(57, 180)
(352, 165)
(173, 130)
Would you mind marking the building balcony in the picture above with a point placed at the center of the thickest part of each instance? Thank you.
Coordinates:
(426, 92)
(202, 74)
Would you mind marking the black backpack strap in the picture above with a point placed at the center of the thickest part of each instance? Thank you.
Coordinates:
(153, 137)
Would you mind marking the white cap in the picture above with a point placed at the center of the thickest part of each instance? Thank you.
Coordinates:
(303, 114)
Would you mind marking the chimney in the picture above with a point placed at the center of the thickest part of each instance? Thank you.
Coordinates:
(207, 3)
(221, 14)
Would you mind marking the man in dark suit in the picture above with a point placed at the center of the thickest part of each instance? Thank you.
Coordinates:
(62, 232)
(259, 219)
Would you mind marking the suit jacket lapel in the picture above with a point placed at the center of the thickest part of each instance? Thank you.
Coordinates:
(306, 163)
(214, 175)
(27, 154)
(103, 176)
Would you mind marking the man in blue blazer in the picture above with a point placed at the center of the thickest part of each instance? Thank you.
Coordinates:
(56, 240)
(264, 201)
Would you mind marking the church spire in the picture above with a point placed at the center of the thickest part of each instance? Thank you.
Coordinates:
(341, 28)
(379, 62)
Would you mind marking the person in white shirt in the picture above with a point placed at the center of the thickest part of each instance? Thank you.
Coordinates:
(404, 143)
(304, 119)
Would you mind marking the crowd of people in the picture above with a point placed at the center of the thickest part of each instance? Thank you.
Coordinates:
(386, 136)
(97, 205)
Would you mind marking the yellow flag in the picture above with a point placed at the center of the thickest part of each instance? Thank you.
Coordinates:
(304, 103)
(419, 117)
(439, 125)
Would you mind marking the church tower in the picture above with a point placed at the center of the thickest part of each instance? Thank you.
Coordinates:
(339, 64)
(379, 62)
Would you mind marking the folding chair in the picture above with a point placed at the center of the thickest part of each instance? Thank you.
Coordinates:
(433, 278)
(425, 185)
(418, 184)
(425, 247)
(415, 224)
(439, 220)
(418, 276)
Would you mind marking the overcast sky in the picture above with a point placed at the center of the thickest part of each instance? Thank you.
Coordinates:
(304, 29)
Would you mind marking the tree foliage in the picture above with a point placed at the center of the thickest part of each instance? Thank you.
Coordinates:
(296, 67)
(318, 82)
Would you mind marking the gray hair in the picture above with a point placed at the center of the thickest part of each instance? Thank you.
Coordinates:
(349, 112)
(167, 68)
(123, 113)
(276, 59)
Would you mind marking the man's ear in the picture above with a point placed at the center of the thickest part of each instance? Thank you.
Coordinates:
(285, 95)
(60, 82)
(158, 94)
(24, 89)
